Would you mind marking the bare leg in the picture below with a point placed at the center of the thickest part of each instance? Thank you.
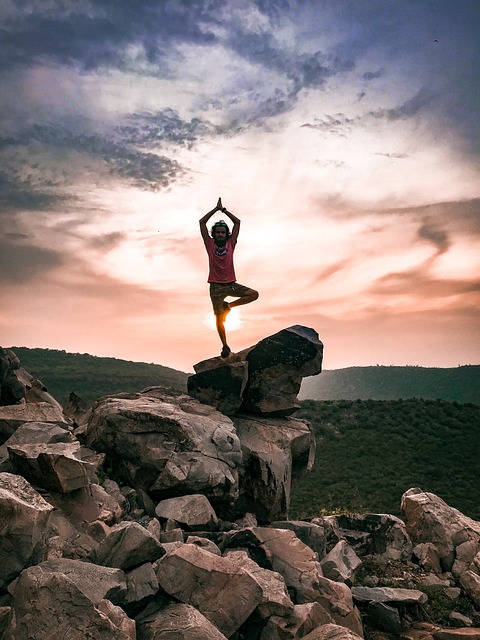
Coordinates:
(250, 296)
(220, 322)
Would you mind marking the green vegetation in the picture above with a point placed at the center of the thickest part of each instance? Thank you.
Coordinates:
(369, 452)
(460, 384)
(91, 377)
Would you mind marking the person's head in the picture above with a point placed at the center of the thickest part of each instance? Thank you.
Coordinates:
(220, 233)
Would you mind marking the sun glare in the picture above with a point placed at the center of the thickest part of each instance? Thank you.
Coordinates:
(233, 323)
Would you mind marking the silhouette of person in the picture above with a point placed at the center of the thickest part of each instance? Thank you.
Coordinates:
(220, 247)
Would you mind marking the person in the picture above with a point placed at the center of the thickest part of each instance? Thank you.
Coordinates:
(220, 247)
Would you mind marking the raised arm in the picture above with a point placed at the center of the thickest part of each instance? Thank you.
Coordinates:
(236, 223)
(203, 221)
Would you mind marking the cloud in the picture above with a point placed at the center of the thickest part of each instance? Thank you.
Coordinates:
(144, 170)
(373, 75)
(398, 156)
(166, 126)
(338, 124)
(460, 217)
(418, 284)
(20, 263)
(433, 233)
(18, 194)
(408, 109)
(99, 34)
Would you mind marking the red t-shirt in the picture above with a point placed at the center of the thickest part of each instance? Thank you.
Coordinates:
(220, 260)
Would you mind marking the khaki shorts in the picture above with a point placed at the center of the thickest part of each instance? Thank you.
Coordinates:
(219, 291)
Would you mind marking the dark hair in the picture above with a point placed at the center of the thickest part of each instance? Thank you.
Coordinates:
(220, 223)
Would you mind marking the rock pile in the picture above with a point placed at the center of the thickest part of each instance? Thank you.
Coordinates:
(154, 515)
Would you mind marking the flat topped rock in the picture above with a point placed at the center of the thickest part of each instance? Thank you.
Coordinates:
(389, 594)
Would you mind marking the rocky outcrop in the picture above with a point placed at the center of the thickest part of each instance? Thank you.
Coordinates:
(161, 536)
(168, 444)
(262, 380)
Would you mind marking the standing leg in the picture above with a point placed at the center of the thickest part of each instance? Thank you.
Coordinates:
(220, 323)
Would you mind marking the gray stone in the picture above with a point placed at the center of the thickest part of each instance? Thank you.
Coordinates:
(13, 416)
(12, 388)
(302, 620)
(429, 519)
(194, 511)
(221, 386)
(142, 584)
(205, 543)
(374, 534)
(34, 433)
(36, 392)
(310, 533)
(61, 467)
(464, 556)
(384, 617)
(389, 594)
(275, 598)
(427, 557)
(50, 604)
(223, 592)
(94, 581)
(128, 545)
(177, 621)
(459, 620)
(272, 449)
(167, 444)
(341, 563)
(276, 366)
(331, 632)
(471, 583)
(24, 517)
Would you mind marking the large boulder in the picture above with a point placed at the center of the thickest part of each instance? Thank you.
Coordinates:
(194, 512)
(48, 604)
(429, 519)
(167, 443)
(222, 591)
(24, 517)
(369, 534)
(128, 545)
(264, 379)
(61, 467)
(94, 581)
(275, 452)
(34, 433)
(275, 598)
(14, 415)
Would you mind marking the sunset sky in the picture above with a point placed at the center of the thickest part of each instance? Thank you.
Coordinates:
(343, 133)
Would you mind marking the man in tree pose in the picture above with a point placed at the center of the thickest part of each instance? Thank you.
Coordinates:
(220, 247)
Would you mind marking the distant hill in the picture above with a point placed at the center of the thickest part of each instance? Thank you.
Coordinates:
(91, 377)
(460, 384)
(369, 452)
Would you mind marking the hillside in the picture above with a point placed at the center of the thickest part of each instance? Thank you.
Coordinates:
(459, 384)
(370, 452)
(90, 376)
